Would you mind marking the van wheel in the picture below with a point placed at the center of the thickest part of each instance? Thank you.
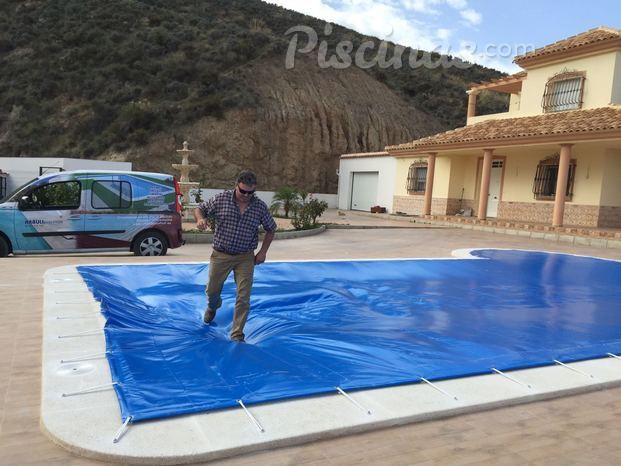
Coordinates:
(4, 247)
(150, 243)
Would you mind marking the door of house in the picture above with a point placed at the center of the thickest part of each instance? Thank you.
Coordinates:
(493, 198)
(364, 190)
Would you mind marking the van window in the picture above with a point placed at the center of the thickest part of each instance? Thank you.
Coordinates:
(111, 195)
(17, 194)
(63, 195)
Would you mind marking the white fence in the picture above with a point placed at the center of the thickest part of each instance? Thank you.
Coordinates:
(265, 196)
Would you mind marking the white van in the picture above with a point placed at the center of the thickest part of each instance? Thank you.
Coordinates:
(86, 211)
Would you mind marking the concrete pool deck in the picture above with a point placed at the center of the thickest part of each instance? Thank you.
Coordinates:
(85, 423)
(571, 430)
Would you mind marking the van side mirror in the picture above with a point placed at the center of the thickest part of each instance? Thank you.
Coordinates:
(23, 203)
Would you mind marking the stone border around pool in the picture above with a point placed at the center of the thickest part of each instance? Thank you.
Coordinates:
(86, 424)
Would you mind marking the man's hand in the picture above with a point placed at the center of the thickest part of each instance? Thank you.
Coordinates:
(201, 224)
(260, 257)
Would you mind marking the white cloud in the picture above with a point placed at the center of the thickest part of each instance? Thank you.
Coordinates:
(471, 16)
(488, 57)
(421, 24)
(388, 19)
(444, 34)
(421, 6)
(457, 4)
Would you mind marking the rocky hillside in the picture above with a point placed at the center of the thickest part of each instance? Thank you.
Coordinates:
(131, 79)
(305, 120)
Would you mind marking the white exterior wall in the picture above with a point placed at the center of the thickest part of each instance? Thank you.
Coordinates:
(598, 83)
(23, 169)
(602, 85)
(386, 166)
(265, 196)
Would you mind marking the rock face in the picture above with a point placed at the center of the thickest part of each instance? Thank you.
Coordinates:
(305, 119)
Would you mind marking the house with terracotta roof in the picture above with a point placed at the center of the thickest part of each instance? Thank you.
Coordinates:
(554, 157)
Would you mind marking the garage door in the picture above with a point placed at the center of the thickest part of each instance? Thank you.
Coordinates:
(364, 190)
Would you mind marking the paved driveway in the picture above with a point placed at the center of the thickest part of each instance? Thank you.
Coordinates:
(575, 430)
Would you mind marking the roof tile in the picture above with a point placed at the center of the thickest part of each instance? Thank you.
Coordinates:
(600, 34)
(570, 122)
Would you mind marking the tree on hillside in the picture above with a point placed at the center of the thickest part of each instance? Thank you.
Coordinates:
(85, 77)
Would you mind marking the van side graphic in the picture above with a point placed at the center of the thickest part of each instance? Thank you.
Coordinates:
(84, 211)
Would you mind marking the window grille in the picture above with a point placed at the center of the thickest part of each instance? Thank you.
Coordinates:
(417, 177)
(544, 186)
(563, 92)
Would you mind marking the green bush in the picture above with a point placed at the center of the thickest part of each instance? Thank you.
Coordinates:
(316, 208)
(306, 214)
(285, 198)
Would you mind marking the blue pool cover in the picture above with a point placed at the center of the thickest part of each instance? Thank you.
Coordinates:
(358, 324)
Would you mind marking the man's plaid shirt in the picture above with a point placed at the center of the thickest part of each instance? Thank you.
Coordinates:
(236, 233)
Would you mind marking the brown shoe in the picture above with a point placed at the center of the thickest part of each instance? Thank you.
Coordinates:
(238, 339)
(209, 315)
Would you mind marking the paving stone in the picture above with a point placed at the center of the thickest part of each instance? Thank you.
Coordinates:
(529, 428)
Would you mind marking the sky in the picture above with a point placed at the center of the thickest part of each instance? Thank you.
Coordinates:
(487, 32)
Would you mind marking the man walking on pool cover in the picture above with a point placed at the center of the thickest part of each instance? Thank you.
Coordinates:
(238, 214)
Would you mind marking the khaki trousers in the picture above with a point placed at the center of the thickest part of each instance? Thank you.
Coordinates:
(220, 266)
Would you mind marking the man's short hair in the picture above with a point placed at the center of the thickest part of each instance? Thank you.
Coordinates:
(247, 177)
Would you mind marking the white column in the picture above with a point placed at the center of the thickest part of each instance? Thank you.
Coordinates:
(431, 167)
(485, 177)
(561, 185)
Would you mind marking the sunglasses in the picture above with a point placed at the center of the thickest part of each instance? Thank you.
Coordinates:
(248, 193)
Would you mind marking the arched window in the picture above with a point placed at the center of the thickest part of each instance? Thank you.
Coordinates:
(564, 92)
(417, 178)
(544, 186)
